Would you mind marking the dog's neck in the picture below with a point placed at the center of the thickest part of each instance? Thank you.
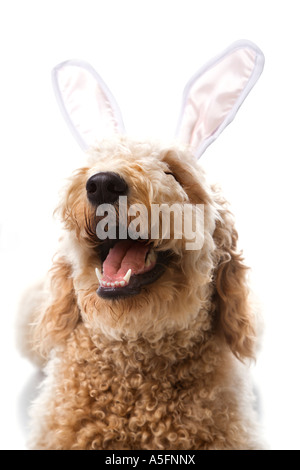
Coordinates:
(172, 349)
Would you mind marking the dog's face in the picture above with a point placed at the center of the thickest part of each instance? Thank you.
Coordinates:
(147, 284)
(151, 284)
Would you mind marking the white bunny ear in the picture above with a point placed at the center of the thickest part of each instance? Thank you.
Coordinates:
(213, 96)
(87, 105)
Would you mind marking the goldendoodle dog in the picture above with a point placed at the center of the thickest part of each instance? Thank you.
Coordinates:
(144, 341)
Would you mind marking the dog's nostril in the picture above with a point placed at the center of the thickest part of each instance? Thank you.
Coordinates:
(105, 187)
(91, 188)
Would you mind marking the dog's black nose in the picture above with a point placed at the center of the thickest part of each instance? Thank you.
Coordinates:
(105, 188)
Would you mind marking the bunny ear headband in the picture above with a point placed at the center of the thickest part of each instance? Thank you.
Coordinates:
(210, 102)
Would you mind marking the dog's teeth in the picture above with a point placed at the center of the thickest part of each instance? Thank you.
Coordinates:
(122, 283)
(127, 276)
(99, 275)
(148, 262)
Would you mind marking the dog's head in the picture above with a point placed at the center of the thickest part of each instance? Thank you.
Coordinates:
(123, 269)
(146, 277)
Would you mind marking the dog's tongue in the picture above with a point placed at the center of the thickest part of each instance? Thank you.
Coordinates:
(125, 255)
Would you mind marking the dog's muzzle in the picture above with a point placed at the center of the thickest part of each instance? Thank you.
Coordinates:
(126, 265)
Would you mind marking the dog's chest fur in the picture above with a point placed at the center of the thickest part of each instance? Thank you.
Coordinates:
(126, 396)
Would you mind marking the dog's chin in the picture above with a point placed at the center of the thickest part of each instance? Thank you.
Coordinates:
(149, 305)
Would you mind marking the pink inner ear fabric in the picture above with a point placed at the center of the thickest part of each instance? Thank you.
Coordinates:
(214, 94)
(85, 103)
(87, 107)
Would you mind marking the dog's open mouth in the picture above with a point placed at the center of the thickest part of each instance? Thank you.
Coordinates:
(127, 266)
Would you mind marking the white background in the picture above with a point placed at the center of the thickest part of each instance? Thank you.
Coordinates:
(146, 51)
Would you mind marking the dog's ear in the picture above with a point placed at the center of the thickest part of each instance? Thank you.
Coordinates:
(86, 103)
(233, 313)
(214, 94)
(61, 312)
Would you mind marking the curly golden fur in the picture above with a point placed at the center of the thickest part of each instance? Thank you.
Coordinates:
(164, 369)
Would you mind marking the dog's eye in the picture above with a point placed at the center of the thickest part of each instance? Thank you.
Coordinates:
(171, 174)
